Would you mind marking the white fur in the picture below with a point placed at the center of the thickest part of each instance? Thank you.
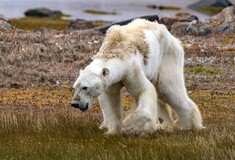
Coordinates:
(156, 86)
(154, 55)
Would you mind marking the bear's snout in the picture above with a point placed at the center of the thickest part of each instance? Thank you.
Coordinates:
(75, 105)
(82, 108)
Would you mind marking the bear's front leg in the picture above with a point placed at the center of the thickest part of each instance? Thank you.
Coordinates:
(143, 120)
(110, 103)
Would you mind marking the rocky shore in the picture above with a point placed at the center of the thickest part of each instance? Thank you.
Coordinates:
(50, 57)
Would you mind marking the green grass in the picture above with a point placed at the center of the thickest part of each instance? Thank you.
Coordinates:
(201, 70)
(36, 124)
(99, 12)
(211, 10)
(30, 23)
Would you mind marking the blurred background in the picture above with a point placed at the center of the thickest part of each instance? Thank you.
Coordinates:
(111, 10)
(84, 14)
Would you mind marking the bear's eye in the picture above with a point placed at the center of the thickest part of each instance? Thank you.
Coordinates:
(84, 88)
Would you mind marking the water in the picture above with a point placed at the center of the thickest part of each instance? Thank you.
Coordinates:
(125, 9)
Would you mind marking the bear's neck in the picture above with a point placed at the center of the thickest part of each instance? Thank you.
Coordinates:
(116, 68)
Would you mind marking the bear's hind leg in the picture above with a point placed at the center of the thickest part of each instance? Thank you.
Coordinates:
(172, 90)
(174, 93)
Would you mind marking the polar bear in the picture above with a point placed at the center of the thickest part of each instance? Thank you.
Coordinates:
(145, 58)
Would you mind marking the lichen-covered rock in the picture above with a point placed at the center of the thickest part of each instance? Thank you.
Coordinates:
(199, 29)
(227, 15)
(227, 19)
(226, 27)
(180, 18)
(179, 28)
(168, 22)
(4, 23)
(193, 28)
(80, 24)
(187, 18)
(2, 17)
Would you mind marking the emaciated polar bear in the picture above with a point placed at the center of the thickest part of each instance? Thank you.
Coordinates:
(145, 58)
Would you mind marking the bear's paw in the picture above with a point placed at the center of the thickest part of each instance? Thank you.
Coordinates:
(168, 127)
(138, 123)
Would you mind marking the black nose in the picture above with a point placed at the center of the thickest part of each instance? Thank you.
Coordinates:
(75, 105)
(82, 108)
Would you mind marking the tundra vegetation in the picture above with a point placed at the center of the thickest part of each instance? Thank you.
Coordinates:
(38, 67)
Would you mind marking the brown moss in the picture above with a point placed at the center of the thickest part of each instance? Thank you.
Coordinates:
(41, 57)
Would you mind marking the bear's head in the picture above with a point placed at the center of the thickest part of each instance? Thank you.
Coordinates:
(90, 84)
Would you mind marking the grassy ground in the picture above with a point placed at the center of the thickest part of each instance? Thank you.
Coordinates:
(39, 124)
(37, 69)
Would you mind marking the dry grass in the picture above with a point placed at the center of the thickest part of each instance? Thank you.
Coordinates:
(38, 123)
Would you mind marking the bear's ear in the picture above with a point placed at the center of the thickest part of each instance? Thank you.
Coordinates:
(105, 71)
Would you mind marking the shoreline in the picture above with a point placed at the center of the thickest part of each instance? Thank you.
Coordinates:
(76, 9)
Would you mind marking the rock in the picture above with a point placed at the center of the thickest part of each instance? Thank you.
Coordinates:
(2, 17)
(211, 3)
(193, 28)
(182, 18)
(226, 28)
(4, 23)
(43, 13)
(168, 22)
(179, 28)
(227, 15)
(153, 6)
(187, 18)
(227, 19)
(222, 22)
(103, 29)
(199, 29)
(80, 24)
